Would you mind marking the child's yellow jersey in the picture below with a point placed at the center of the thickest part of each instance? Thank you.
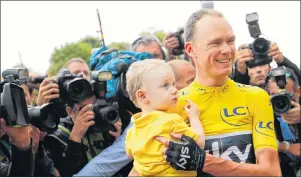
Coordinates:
(236, 119)
(147, 152)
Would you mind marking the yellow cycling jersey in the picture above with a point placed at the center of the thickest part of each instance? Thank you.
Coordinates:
(236, 119)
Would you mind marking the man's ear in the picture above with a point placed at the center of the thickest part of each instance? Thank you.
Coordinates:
(141, 96)
(189, 49)
(190, 52)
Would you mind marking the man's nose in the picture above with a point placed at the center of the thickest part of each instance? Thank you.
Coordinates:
(225, 49)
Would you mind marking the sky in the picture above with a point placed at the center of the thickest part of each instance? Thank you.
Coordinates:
(35, 28)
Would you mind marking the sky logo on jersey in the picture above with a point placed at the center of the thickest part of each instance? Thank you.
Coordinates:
(184, 93)
(265, 128)
(232, 116)
(225, 88)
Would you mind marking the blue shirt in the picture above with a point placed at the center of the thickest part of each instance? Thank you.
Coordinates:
(110, 160)
(286, 131)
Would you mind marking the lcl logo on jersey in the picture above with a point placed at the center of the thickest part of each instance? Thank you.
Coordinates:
(265, 128)
(229, 115)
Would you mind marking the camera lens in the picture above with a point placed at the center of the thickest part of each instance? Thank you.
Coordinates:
(109, 114)
(281, 104)
(79, 89)
(261, 46)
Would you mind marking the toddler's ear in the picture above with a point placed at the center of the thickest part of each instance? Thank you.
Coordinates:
(141, 96)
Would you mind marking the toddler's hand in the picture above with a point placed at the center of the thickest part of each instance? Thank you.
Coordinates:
(192, 109)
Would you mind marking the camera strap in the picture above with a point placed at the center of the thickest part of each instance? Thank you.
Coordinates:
(92, 151)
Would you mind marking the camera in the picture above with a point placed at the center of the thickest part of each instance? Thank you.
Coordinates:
(281, 101)
(72, 88)
(179, 34)
(106, 112)
(13, 105)
(260, 46)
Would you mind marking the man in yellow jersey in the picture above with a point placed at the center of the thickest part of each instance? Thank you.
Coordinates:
(237, 119)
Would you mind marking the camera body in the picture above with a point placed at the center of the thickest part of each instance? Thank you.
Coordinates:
(105, 110)
(281, 101)
(72, 88)
(13, 104)
(179, 34)
(260, 46)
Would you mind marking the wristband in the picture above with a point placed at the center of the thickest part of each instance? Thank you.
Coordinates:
(287, 145)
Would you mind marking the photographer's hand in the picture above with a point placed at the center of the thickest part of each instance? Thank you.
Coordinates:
(47, 91)
(83, 121)
(275, 53)
(293, 115)
(20, 136)
(117, 133)
(195, 158)
(35, 135)
(170, 42)
(242, 56)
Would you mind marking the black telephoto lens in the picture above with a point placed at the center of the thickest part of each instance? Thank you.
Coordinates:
(261, 46)
(109, 114)
(281, 104)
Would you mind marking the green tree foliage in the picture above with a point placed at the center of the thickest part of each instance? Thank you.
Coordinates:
(70, 50)
(160, 34)
(120, 45)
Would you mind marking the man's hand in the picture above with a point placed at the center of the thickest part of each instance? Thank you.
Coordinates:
(47, 91)
(275, 53)
(242, 56)
(293, 115)
(186, 156)
(35, 135)
(83, 121)
(170, 42)
(20, 136)
(295, 149)
(117, 133)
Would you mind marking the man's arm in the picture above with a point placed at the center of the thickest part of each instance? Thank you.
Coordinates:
(110, 160)
(267, 165)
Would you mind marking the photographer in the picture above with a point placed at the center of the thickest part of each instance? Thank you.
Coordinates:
(80, 146)
(288, 133)
(245, 75)
(20, 162)
(14, 109)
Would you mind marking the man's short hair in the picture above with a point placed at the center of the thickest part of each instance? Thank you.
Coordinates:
(72, 60)
(144, 40)
(189, 30)
(137, 73)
